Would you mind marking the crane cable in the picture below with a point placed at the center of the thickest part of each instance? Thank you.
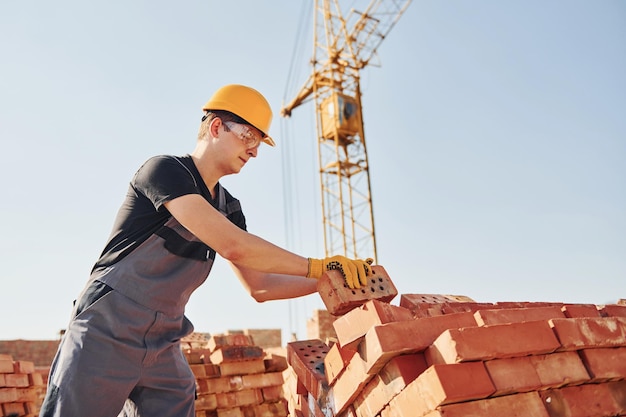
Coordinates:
(288, 151)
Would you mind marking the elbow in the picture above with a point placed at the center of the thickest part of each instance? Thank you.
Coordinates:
(260, 296)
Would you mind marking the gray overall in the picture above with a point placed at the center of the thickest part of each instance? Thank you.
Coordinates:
(123, 341)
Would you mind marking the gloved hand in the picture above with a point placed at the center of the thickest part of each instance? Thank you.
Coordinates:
(355, 271)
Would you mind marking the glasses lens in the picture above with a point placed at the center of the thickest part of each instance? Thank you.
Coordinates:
(247, 136)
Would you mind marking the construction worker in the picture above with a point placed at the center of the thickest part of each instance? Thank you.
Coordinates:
(123, 338)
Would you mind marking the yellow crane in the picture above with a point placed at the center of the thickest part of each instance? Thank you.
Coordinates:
(343, 46)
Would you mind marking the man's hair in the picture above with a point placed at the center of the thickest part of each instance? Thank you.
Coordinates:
(226, 116)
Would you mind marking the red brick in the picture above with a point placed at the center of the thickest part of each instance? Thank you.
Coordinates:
(618, 391)
(429, 305)
(242, 367)
(23, 367)
(559, 369)
(491, 342)
(339, 298)
(239, 398)
(275, 363)
(513, 375)
(444, 384)
(236, 353)
(518, 405)
(516, 315)
(235, 339)
(13, 409)
(267, 379)
(307, 359)
(605, 364)
(335, 361)
(588, 332)
(391, 380)
(8, 395)
(464, 307)
(385, 341)
(229, 412)
(589, 400)
(614, 310)
(272, 394)
(348, 385)
(16, 380)
(220, 384)
(522, 374)
(580, 310)
(198, 370)
(274, 409)
(6, 366)
(352, 326)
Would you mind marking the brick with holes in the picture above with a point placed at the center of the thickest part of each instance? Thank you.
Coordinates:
(339, 298)
(306, 357)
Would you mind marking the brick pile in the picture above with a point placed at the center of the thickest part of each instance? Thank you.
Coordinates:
(236, 378)
(437, 355)
(21, 388)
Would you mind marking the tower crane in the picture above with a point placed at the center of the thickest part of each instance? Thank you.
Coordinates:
(343, 46)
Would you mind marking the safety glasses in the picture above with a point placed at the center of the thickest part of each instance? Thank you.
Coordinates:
(249, 138)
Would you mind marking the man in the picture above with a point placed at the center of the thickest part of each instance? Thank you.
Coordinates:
(123, 339)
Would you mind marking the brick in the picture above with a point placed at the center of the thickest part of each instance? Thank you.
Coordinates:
(6, 365)
(335, 361)
(352, 326)
(239, 398)
(412, 301)
(580, 310)
(267, 379)
(206, 402)
(8, 395)
(348, 385)
(464, 307)
(6, 357)
(441, 384)
(13, 409)
(618, 391)
(307, 359)
(385, 341)
(273, 394)
(589, 332)
(613, 310)
(275, 363)
(477, 343)
(513, 375)
(236, 353)
(391, 380)
(242, 367)
(518, 405)
(198, 370)
(236, 339)
(16, 380)
(35, 379)
(589, 400)
(221, 384)
(516, 315)
(274, 409)
(211, 370)
(28, 394)
(230, 412)
(339, 298)
(23, 367)
(605, 364)
(559, 369)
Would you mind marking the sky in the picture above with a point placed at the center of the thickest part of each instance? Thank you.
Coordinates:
(495, 131)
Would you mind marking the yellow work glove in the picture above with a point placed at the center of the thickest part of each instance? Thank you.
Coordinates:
(355, 271)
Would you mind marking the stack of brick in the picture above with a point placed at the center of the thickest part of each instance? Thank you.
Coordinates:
(21, 388)
(435, 356)
(236, 378)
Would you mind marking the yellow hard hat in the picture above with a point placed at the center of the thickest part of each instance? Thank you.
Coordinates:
(246, 103)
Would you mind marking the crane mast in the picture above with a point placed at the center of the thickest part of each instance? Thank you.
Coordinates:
(343, 46)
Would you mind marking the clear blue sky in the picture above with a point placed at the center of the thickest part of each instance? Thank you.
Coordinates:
(496, 136)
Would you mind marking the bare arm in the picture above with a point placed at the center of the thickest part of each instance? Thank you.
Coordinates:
(247, 251)
(264, 286)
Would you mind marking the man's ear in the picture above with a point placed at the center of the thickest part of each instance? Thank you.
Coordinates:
(214, 126)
